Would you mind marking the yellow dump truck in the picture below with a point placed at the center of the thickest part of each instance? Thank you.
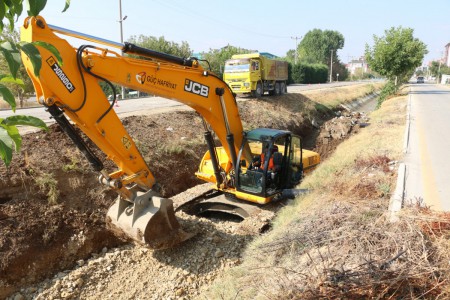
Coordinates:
(256, 73)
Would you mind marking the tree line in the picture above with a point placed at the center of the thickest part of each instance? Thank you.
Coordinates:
(315, 60)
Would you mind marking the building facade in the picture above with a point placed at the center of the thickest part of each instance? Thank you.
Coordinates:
(358, 66)
(446, 59)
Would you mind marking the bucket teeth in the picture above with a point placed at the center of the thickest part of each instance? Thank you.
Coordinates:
(150, 221)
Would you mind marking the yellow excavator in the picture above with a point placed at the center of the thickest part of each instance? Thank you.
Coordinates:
(71, 90)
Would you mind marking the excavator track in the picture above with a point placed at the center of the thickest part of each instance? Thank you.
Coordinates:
(216, 201)
(253, 218)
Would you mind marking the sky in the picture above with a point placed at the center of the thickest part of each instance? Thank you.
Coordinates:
(266, 26)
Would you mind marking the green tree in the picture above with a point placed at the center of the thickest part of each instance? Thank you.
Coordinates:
(10, 138)
(290, 56)
(437, 69)
(317, 46)
(396, 55)
(216, 57)
(18, 90)
(341, 69)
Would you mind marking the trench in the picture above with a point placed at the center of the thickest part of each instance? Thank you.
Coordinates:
(35, 260)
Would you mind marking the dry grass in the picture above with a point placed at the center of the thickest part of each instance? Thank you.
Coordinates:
(332, 98)
(337, 243)
(349, 250)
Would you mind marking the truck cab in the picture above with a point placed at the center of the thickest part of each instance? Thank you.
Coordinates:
(255, 74)
(239, 74)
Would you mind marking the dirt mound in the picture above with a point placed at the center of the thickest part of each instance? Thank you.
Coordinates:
(52, 208)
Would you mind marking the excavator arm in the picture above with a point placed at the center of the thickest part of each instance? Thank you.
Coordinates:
(72, 89)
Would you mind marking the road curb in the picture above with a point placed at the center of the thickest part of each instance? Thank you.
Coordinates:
(396, 201)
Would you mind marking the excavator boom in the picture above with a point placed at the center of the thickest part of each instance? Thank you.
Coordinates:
(72, 90)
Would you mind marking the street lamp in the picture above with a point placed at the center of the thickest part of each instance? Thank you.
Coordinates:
(121, 19)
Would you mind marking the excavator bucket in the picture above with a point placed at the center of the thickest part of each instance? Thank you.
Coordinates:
(150, 220)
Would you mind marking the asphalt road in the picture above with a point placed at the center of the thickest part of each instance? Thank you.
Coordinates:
(427, 158)
(159, 104)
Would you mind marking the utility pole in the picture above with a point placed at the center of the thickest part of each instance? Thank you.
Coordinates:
(121, 36)
(296, 46)
(331, 66)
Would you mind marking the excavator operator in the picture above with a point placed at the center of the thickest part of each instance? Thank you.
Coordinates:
(259, 161)
(271, 164)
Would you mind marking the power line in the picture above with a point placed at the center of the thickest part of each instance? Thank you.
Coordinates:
(183, 10)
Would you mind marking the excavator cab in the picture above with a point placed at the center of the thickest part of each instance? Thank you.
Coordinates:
(276, 165)
(270, 162)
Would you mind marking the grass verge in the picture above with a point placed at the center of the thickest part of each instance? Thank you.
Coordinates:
(336, 242)
(332, 98)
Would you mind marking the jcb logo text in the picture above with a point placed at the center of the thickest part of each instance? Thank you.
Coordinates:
(196, 88)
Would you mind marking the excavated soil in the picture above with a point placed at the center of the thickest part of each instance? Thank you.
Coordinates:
(52, 208)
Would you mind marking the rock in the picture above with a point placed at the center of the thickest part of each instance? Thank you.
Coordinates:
(174, 275)
(57, 285)
(219, 253)
(179, 292)
(75, 275)
(104, 250)
(66, 294)
(19, 296)
(79, 282)
(315, 124)
(80, 262)
(92, 263)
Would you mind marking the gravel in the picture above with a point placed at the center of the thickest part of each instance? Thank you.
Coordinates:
(136, 272)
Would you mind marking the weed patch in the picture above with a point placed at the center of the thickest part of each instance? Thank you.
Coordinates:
(48, 184)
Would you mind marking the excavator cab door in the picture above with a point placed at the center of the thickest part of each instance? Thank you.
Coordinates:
(295, 168)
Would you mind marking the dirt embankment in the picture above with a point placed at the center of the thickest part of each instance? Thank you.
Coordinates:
(52, 208)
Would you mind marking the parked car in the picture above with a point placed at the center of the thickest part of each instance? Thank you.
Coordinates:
(420, 79)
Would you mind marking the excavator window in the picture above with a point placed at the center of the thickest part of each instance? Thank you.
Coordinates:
(251, 178)
(295, 161)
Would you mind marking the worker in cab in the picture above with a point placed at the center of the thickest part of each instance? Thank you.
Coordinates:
(271, 164)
